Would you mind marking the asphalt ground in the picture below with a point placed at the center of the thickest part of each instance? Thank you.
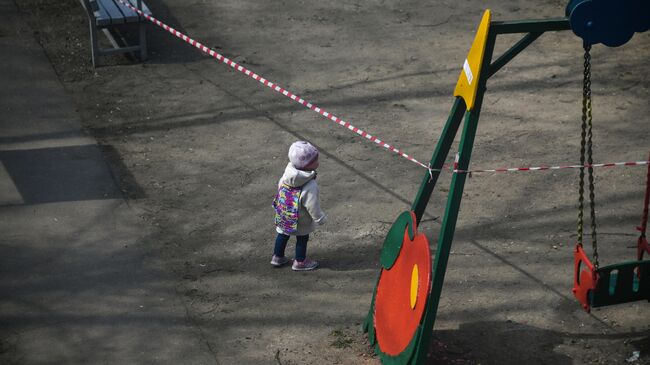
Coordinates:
(74, 288)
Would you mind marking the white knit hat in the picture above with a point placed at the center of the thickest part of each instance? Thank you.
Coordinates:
(302, 154)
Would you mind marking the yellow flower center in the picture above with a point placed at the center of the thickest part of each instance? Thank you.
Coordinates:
(414, 286)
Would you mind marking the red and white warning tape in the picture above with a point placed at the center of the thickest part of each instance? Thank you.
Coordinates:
(544, 168)
(272, 85)
(337, 120)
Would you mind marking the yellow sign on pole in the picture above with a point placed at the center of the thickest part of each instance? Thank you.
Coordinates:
(468, 80)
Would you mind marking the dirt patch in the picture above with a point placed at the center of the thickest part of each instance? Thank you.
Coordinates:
(200, 149)
(66, 41)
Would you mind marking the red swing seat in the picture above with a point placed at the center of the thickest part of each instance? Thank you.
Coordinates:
(608, 285)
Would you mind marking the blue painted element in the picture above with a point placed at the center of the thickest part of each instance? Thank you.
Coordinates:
(610, 22)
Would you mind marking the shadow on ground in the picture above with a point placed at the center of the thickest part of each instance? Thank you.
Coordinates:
(508, 342)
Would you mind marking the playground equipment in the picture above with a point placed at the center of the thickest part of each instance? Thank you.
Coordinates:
(405, 301)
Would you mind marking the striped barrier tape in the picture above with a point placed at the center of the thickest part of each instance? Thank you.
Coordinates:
(545, 168)
(273, 86)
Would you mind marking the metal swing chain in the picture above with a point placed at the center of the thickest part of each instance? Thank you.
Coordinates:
(586, 140)
(586, 83)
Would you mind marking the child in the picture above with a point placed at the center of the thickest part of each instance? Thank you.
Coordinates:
(297, 207)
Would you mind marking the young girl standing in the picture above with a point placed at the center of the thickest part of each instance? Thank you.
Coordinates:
(297, 206)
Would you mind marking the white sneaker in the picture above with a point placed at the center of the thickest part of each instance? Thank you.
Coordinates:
(278, 261)
(304, 265)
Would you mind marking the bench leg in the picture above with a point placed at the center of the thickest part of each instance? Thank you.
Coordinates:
(143, 41)
(94, 43)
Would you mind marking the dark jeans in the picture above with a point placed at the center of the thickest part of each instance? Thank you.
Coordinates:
(301, 246)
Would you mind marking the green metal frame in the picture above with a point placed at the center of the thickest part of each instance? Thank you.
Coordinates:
(533, 29)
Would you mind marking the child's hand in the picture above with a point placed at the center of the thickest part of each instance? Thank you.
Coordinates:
(322, 220)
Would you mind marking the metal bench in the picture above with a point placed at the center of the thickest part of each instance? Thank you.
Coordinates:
(109, 16)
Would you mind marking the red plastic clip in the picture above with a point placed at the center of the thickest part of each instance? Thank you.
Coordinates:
(584, 279)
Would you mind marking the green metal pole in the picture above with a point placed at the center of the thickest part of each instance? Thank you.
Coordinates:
(512, 52)
(438, 158)
(529, 26)
(446, 236)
